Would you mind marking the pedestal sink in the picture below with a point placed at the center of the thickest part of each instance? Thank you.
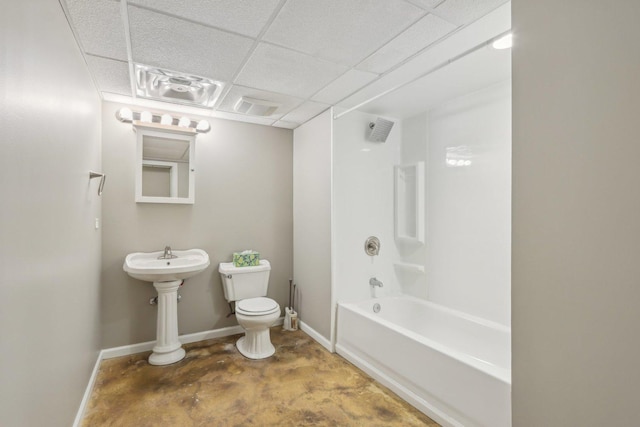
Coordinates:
(167, 270)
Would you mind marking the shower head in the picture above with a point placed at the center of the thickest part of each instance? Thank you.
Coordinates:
(379, 131)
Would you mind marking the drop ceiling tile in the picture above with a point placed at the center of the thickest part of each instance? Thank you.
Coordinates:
(242, 118)
(344, 86)
(112, 75)
(166, 42)
(305, 112)
(99, 26)
(286, 102)
(340, 31)
(426, 4)
(420, 35)
(280, 70)
(246, 17)
(463, 12)
(460, 41)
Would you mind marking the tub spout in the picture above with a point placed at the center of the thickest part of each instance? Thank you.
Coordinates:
(375, 282)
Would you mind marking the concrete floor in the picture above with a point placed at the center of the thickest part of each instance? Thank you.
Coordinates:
(301, 385)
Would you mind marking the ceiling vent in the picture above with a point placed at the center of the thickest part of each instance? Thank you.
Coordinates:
(171, 86)
(255, 107)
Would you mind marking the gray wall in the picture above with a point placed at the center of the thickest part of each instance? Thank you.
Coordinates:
(312, 225)
(50, 251)
(243, 200)
(576, 210)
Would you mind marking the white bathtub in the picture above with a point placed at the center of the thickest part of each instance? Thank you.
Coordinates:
(454, 367)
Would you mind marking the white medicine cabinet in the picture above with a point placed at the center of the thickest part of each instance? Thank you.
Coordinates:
(165, 164)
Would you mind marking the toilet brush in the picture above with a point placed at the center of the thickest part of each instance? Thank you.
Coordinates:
(287, 310)
(294, 316)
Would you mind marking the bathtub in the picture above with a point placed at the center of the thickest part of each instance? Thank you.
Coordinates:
(453, 367)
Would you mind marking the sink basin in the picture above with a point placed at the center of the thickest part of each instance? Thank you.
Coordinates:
(146, 265)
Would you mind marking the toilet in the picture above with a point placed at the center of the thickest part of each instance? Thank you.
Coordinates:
(247, 287)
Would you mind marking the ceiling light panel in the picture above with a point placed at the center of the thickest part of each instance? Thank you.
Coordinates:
(99, 27)
(175, 44)
(112, 75)
(240, 16)
(426, 31)
(170, 86)
(343, 86)
(340, 31)
(276, 69)
(237, 92)
(463, 12)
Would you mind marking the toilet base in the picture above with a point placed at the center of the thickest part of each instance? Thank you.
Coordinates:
(256, 345)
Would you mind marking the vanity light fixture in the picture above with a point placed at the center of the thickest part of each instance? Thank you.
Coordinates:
(166, 119)
(146, 117)
(203, 126)
(126, 115)
(184, 122)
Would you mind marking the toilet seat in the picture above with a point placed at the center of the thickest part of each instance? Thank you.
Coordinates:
(256, 306)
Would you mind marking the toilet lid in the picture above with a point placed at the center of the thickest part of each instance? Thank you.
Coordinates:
(257, 305)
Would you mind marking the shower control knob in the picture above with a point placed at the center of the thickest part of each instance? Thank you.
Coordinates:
(372, 246)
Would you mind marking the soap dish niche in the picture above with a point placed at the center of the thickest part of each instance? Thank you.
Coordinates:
(409, 203)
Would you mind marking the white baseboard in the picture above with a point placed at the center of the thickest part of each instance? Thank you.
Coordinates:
(87, 392)
(316, 336)
(127, 350)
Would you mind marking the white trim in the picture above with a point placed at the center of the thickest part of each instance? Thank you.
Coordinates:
(407, 395)
(333, 237)
(127, 350)
(87, 391)
(316, 336)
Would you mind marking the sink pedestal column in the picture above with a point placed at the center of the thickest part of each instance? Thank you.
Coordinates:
(167, 349)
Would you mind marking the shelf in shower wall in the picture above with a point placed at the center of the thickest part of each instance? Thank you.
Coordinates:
(410, 268)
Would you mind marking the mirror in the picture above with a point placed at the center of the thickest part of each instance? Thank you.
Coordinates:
(165, 165)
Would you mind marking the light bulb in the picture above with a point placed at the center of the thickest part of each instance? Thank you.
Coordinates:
(503, 42)
(203, 126)
(125, 114)
(184, 122)
(467, 162)
(166, 119)
(146, 117)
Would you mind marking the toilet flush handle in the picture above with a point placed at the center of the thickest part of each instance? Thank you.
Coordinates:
(229, 276)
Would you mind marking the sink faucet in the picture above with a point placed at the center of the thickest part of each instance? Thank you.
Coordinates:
(167, 254)
(375, 282)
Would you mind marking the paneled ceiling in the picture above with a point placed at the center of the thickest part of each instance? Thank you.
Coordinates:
(305, 55)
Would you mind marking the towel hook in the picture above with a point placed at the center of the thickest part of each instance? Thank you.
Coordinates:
(102, 177)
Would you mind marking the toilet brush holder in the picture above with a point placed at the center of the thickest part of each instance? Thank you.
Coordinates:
(290, 320)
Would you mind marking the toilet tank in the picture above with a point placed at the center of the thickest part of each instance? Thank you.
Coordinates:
(244, 282)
